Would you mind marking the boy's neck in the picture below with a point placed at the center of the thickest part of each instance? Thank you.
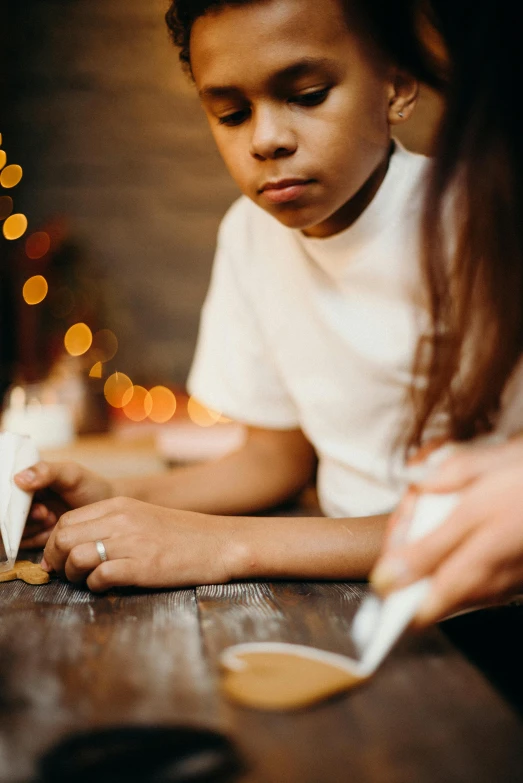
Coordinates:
(352, 209)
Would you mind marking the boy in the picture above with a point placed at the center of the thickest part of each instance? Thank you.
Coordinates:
(308, 330)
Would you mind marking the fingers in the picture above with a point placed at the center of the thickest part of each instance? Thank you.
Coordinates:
(39, 527)
(64, 539)
(479, 573)
(60, 475)
(74, 484)
(83, 559)
(400, 566)
(469, 462)
(399, 521)
(36, 541)
(39, 512)
(40, 517)
(112, 573)
(101, 520)
(93, 511)
(426, 450)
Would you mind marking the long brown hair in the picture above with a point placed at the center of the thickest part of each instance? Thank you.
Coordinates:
(474, 203)
(476, 297)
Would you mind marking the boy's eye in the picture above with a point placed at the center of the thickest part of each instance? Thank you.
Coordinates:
(235, 118)
(310, 98)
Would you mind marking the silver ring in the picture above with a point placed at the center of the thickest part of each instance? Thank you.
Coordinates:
(102, 551)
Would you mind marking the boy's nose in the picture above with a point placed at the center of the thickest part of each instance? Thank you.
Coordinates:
(273, 135)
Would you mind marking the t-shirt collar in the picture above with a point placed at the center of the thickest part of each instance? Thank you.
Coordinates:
(375, 218)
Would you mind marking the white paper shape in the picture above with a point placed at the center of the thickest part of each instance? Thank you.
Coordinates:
(17, 452)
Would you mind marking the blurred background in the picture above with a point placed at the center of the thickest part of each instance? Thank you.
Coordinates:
(111, 193)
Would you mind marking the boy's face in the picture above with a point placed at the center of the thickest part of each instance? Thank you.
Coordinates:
(299, 106)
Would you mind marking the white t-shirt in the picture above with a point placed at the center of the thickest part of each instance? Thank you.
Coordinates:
(319, 334)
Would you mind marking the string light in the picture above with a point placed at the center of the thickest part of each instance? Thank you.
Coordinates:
(140, 405)
(35, 290)
(11, 175)
(159, 404)
(96, 370)
(200, 414)
(78, 339)
(15, 226)
(118, 389)
(163, 404)
(37, 245)
(105, 345)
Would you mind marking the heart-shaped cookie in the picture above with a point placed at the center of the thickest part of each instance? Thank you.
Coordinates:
(276, 676)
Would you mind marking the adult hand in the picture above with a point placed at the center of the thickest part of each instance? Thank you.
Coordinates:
(58, 487)
(476, 556)
(146, 546)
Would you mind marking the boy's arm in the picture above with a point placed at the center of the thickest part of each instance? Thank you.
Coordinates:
(271, 467)
(306, 548)
(154, 546)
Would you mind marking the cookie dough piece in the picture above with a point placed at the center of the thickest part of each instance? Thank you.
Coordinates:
(29, 572)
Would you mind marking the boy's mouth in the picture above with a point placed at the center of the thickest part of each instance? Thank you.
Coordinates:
(283, 190)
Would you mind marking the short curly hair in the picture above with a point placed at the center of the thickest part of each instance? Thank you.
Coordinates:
(389, 24)
(181, 16)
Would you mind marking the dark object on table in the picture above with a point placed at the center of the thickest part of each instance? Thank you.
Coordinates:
(142, 754)
(493, 640)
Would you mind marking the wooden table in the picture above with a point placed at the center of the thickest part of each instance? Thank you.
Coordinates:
(70, 660)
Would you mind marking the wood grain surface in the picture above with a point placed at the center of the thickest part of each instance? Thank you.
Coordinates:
(70, 660)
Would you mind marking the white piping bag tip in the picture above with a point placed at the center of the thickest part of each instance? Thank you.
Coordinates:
(17, 452)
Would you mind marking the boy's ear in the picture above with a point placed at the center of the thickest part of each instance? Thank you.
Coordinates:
(403, 96)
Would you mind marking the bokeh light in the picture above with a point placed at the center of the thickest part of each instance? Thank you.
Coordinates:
(105, 344)
(140, 405)
(118, 389)
(37, 245)
(3, 159)
(6, 206)
(163, 404)
(15, 226)
(35, 290)
(78, 339)
(96, 370)
(11, 176)
(200, 414)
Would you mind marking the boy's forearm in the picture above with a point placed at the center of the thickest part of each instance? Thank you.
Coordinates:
(304, 548)
(243, 482)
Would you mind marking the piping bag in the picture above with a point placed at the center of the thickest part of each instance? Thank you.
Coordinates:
(281, 676)
(17, 452)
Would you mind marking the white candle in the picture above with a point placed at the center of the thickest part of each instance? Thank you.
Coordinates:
(49, 424)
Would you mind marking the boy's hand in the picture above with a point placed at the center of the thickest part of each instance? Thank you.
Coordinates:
(146, 545)
(58, 487)
(476, 556)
